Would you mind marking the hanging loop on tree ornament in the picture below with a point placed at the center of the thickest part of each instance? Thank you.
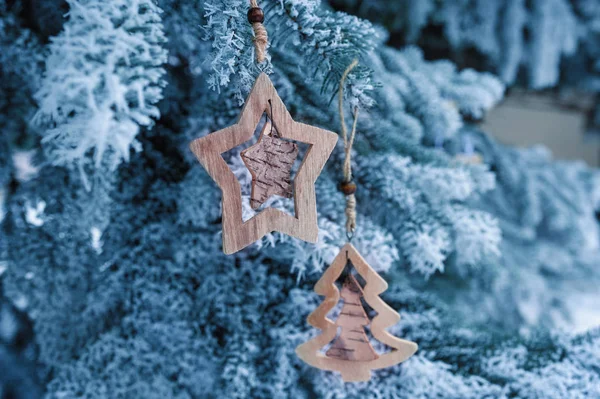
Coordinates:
(348, 187)
(349, 236)
(256, 17)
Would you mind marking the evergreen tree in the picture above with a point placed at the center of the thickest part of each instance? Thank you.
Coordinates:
(124, 279)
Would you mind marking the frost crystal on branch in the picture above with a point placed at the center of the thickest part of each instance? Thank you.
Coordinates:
(103, 79)
(504, 36)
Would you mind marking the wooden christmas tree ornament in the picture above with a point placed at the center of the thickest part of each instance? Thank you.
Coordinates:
(351, 354)
(270, 162)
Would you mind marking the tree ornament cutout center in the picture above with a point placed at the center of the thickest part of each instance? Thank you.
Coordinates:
(270, 162)
(352, 343)
(361, 358)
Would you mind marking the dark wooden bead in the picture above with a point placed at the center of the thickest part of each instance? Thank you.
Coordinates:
(348, 187)
(256, 14)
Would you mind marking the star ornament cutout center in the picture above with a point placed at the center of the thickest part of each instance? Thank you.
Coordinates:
(238, 234)
(270, 162)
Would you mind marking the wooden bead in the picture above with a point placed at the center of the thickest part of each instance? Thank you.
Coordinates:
(348, 187)
(256, 15)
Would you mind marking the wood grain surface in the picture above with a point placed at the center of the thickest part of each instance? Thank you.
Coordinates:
(270, 163)
(352, 370)
(352, 343)
(238, 234)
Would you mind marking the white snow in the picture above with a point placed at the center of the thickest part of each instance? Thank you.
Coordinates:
(33, 215)
(2, 204)
(24, 167)
(8, 324)
(96, 239)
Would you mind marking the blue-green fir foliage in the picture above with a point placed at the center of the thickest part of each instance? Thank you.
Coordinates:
(110, 237)
(539, 43)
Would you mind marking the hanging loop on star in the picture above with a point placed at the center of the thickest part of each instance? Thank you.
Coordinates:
(272, 118)
(256, 17)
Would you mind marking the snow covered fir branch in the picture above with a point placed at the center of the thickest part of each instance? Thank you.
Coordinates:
(110, 248)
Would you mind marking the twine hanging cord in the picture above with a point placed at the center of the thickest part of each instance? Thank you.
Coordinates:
(348, 187)
(256, 17)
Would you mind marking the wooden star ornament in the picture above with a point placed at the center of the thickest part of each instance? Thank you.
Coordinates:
(238, 234)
